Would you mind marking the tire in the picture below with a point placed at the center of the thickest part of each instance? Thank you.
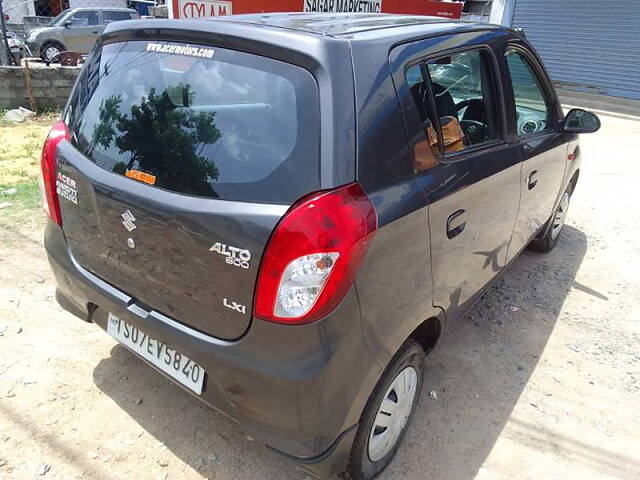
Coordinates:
(546, 241)
(375, 446)
(48, 49)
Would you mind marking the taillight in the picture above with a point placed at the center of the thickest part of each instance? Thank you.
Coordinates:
(50, 202)
(314, 254)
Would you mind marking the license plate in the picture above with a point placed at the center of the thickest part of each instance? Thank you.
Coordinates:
(175, 364)
(15, 49)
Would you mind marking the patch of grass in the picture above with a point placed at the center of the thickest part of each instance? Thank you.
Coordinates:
(20, 209)
(20, 148)
(20, 199)
(20, 212)
(21, 196)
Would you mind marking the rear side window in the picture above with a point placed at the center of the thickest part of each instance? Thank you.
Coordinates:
(114, 16)
(455, 98)
(199, 120)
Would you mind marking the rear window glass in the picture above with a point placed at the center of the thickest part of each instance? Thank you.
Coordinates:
(199, 120)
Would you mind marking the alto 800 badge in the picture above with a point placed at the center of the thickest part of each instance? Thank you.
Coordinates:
(234, 256)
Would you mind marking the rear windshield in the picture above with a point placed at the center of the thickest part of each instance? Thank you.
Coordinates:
(199, 120)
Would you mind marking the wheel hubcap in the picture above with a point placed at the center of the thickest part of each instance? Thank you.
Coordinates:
(560, 216)
(51, 52)
(393, 414)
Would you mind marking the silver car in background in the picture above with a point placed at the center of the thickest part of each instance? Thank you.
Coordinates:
(75, 30)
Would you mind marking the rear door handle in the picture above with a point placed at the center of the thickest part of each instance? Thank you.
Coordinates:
(456, 223)
(533, 179)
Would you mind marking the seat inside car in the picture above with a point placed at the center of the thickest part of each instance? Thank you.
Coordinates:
(444, 101)
(475, 111)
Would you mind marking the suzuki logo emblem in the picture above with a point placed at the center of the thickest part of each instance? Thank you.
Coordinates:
(127, 221)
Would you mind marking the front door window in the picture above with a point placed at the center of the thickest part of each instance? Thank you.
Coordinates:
(532, 106)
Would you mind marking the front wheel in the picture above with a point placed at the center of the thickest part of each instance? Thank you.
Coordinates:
(554, 226)
(387, 414)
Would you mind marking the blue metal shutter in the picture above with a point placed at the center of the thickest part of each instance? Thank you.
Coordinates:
(586, 45)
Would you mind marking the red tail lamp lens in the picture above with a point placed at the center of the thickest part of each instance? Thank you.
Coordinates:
(51, 204)
(314, 254)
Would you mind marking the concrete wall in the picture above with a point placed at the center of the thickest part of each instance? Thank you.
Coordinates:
(50, 86)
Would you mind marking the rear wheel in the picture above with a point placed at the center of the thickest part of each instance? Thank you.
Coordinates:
(386, 416)
(551, 233)
(50, 50)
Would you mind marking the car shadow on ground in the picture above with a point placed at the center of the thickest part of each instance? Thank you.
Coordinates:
(479, 371)
(475, 377)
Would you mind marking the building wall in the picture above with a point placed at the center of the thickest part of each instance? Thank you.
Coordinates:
(17, 9)
(586, 45)
(97, 3)
(502, 12)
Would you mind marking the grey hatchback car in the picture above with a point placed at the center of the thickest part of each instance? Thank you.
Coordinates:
(283, 213)
(74, 30)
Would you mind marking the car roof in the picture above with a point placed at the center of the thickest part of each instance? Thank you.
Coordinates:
(352, 24)
(306, 34)
(300, 27)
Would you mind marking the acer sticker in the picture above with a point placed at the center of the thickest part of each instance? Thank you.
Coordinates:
(215, 8)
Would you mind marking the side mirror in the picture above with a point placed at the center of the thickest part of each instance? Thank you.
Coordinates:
(67, 24)
(580, 121)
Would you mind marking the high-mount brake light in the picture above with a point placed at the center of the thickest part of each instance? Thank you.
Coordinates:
(314, 254)
(50, 202)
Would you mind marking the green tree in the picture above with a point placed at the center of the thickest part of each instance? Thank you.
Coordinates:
(163, 137)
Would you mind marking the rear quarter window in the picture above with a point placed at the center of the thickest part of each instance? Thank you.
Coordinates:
(199, 120)
(116, 16)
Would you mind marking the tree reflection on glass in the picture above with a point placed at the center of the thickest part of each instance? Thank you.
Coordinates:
(164, 138)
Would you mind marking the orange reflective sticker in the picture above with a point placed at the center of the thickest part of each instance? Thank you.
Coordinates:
(141, 176)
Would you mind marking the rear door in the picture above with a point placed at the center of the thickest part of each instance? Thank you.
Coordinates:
(469, 174)
(184, 158)
(542, 146)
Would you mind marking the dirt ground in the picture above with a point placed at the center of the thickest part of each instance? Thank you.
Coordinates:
(541, 380)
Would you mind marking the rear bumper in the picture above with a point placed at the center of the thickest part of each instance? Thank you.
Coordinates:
(298, 389)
